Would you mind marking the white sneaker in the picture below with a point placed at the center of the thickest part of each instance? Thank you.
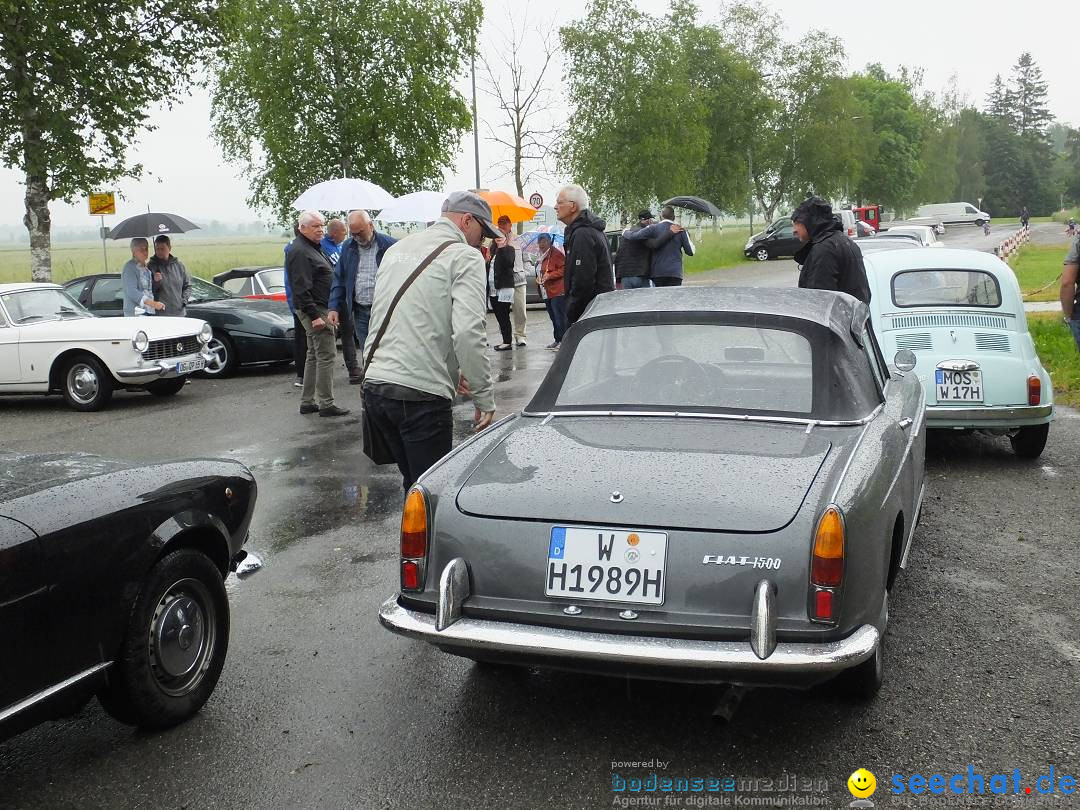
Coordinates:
(298, 384)
(521, 341)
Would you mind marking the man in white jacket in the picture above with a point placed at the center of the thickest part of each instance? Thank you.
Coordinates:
(435, 341)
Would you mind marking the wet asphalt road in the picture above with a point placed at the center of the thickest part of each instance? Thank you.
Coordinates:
(320, 707)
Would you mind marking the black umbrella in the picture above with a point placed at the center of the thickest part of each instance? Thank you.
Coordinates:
(699, 204)
(151, 225)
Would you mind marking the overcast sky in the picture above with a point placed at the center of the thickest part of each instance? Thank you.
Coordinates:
(972, 41)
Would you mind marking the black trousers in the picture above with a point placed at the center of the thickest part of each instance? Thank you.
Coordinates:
(299, 350)
(667, 281)
(502, 315)
(419, 433)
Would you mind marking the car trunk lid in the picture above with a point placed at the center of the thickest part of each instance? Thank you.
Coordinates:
(677, 473)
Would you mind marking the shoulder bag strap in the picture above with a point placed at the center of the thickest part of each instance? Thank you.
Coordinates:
(393, 304)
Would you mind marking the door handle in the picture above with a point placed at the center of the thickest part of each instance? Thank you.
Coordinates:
(905, 423)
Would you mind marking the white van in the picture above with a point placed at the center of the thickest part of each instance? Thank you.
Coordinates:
(955, 213)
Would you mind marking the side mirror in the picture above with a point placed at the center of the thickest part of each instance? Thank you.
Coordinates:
(905, 360)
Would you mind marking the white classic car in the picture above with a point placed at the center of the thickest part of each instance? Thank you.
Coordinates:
(49, 342)
(962, 314)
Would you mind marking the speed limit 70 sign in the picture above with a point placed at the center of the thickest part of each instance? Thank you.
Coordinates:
(535, 200)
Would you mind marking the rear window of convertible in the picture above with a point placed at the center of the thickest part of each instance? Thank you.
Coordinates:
(945, 288)
(691, 365)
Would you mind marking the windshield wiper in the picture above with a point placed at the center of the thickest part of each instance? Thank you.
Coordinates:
(26, 318)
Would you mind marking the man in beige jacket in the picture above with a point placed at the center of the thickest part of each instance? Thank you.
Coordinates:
(436, 339)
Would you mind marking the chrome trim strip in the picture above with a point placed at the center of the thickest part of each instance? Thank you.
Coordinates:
(914, 523)
(988, 311)
(989, 413)
(453, 591)
(763, 620)
(26, 703)
(847, 464)
(785, 420)
(706, 657)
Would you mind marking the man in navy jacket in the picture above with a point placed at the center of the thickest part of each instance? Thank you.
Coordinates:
(354, 286)
(666, 267)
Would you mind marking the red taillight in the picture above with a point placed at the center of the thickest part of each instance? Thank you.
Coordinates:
(414, 525)
(414, 540)
(827, 566)
(410, 575)
(1034, 390)
(823, 605)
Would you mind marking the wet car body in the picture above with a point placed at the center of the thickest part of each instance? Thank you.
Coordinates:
(246, 330)
(81, 540)
(254, 282)
(728, 496)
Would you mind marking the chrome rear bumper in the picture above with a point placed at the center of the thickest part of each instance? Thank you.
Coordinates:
(758, 659)
(987, 416)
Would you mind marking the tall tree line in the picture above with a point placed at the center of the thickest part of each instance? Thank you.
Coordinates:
(728, 110)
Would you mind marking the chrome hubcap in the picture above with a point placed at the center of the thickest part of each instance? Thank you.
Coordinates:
(182, 637)
(220, 356)
(82, 383)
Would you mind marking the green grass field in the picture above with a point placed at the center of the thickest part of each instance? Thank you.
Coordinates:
(718, 249)
(202, 257)
(1057, 350)
(1037, 266)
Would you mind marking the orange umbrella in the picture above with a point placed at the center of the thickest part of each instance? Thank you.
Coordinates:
(504, 204)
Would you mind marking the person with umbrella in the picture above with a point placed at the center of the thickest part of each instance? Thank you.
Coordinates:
(138, 282)
(172, 284)
(551, 267)
(520, 279)
(666, 266)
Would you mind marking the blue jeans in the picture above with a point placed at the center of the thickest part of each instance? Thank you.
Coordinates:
(1074, 325)
(361, 319)
(635, 282)
(419, 432)
(556, 308)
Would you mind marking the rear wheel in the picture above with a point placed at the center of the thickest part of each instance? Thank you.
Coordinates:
(174, 645)
(1029, 442)
(166, 388)
(87, 385)
(761, 254)
(863, 681)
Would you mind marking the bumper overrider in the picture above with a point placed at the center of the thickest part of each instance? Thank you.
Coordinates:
(760, 659)
(163, 369)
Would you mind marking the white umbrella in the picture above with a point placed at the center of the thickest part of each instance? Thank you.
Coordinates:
(343, 194)
(420, 206)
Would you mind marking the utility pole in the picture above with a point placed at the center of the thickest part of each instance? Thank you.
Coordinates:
(750, 185)
(475, 125)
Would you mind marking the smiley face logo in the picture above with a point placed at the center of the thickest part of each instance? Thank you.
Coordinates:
(862, 784)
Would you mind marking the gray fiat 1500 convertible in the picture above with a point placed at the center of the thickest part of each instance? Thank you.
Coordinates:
(714, 484)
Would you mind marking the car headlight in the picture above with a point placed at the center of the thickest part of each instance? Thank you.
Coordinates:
(140, 342)
(749, 244)
(205, 333)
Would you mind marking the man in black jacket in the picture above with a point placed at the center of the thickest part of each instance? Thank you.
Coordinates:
(311, 277)
(588, 261)
(829, 259)
(633, 258)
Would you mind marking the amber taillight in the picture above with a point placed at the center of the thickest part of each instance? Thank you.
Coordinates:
(1034, 390)
(827, 565)
(414, 540)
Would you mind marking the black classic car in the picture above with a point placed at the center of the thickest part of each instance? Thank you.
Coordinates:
(112, 583)
(775, 241)
(246, 330)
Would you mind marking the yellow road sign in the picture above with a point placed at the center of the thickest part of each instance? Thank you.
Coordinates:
(102, 203)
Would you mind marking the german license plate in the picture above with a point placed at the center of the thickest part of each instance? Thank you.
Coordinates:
(958, 386)
(612, 565)
(190, 365)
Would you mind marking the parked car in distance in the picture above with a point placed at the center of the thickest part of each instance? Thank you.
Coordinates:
(245, 330)
(955, 213)
(49, 343)
(111, 583)
(254, 282)
(962, 314)
(775, 568)
(864, 228)
(924, 233)
(778, 240)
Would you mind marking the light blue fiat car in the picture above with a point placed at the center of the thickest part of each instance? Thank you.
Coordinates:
(961, 314)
